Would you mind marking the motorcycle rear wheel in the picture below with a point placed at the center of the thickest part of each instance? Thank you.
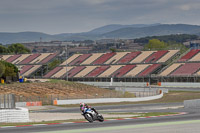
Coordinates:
(100, 118)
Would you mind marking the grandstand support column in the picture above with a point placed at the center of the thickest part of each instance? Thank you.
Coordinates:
(66, 54)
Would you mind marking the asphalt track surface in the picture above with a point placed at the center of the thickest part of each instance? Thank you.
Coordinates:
(123, 125)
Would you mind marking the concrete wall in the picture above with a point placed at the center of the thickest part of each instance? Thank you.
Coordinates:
(107, 100)
(25, 104)
(116, 83)
(14, 115)
(192, 103)
(142, 84)
(178, 84)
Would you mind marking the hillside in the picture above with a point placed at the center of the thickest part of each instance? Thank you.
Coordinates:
(153, 31)
(113, 27)
(56, 89)
(108, 31)
(8, 38)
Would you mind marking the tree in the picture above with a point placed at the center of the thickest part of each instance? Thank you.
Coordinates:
(155, 44)
(18, 49)
(3, 50)
(53, 64)
(10, 69)
(2, 69)
(113, 50)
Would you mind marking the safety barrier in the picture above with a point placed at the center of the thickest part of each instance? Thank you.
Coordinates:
(195, 103)
(24, 104)
(107, 100)
(14, 115)
(7, 101)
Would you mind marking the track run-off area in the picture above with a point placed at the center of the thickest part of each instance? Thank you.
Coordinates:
(185, 120)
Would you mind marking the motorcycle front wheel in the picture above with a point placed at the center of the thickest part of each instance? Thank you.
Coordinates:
(88, 117)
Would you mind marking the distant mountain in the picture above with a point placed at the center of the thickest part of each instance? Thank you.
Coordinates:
(164, 29)
(113, 27)
(108, 31)
(8, 38)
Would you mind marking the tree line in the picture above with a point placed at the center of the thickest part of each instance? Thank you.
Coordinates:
(155, 44)
(177, 38)
(14, 49)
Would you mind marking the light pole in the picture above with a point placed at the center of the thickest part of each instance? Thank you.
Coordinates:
(66, 54)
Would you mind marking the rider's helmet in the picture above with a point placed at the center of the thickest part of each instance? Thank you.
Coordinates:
(82, 106)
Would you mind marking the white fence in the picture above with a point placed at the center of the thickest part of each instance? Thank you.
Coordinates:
(107, 100)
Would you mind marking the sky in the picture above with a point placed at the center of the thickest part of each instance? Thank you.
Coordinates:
(73, 16)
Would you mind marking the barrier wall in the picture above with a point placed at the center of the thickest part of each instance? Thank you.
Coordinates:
(143, 84)
(116, 83)
(24, 104)
(107, 100)
(14, 115)
(192, 103)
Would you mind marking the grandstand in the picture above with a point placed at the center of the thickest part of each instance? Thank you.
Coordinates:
(120, 65)
(164, 65)
(186, 68)
(29, 64)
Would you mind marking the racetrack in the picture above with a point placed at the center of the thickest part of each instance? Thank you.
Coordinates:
(190, 120)
(179, 123)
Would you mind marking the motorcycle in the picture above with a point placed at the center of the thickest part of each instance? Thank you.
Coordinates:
(90, 115)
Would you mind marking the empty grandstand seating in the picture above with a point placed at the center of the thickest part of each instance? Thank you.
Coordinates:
(5, 57)
(195, 58)
(40, 58)
(84, 72)
(186, 69)
(170, 69)
(12, 58)
(129, 57)
(168, 56)
(189, 55)
(21, 58)
(29, 59)
(123, 70)
(61, 73)
(116, 57)
(70, 59)
(149, 70)
(25, 69)
(92, 58)
(80, 59)
(110, 71)
(103, 58)
(155, 56)
(75, 70)
(198, 73)
(55, 70)
(31, 70)
(48, 58)
(97, 71)
(136, 70)
(142, 56)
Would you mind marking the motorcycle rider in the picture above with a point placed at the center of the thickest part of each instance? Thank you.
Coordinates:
(84, 106)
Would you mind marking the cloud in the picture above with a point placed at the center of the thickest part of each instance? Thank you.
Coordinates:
(189, 6)
(58, 16)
